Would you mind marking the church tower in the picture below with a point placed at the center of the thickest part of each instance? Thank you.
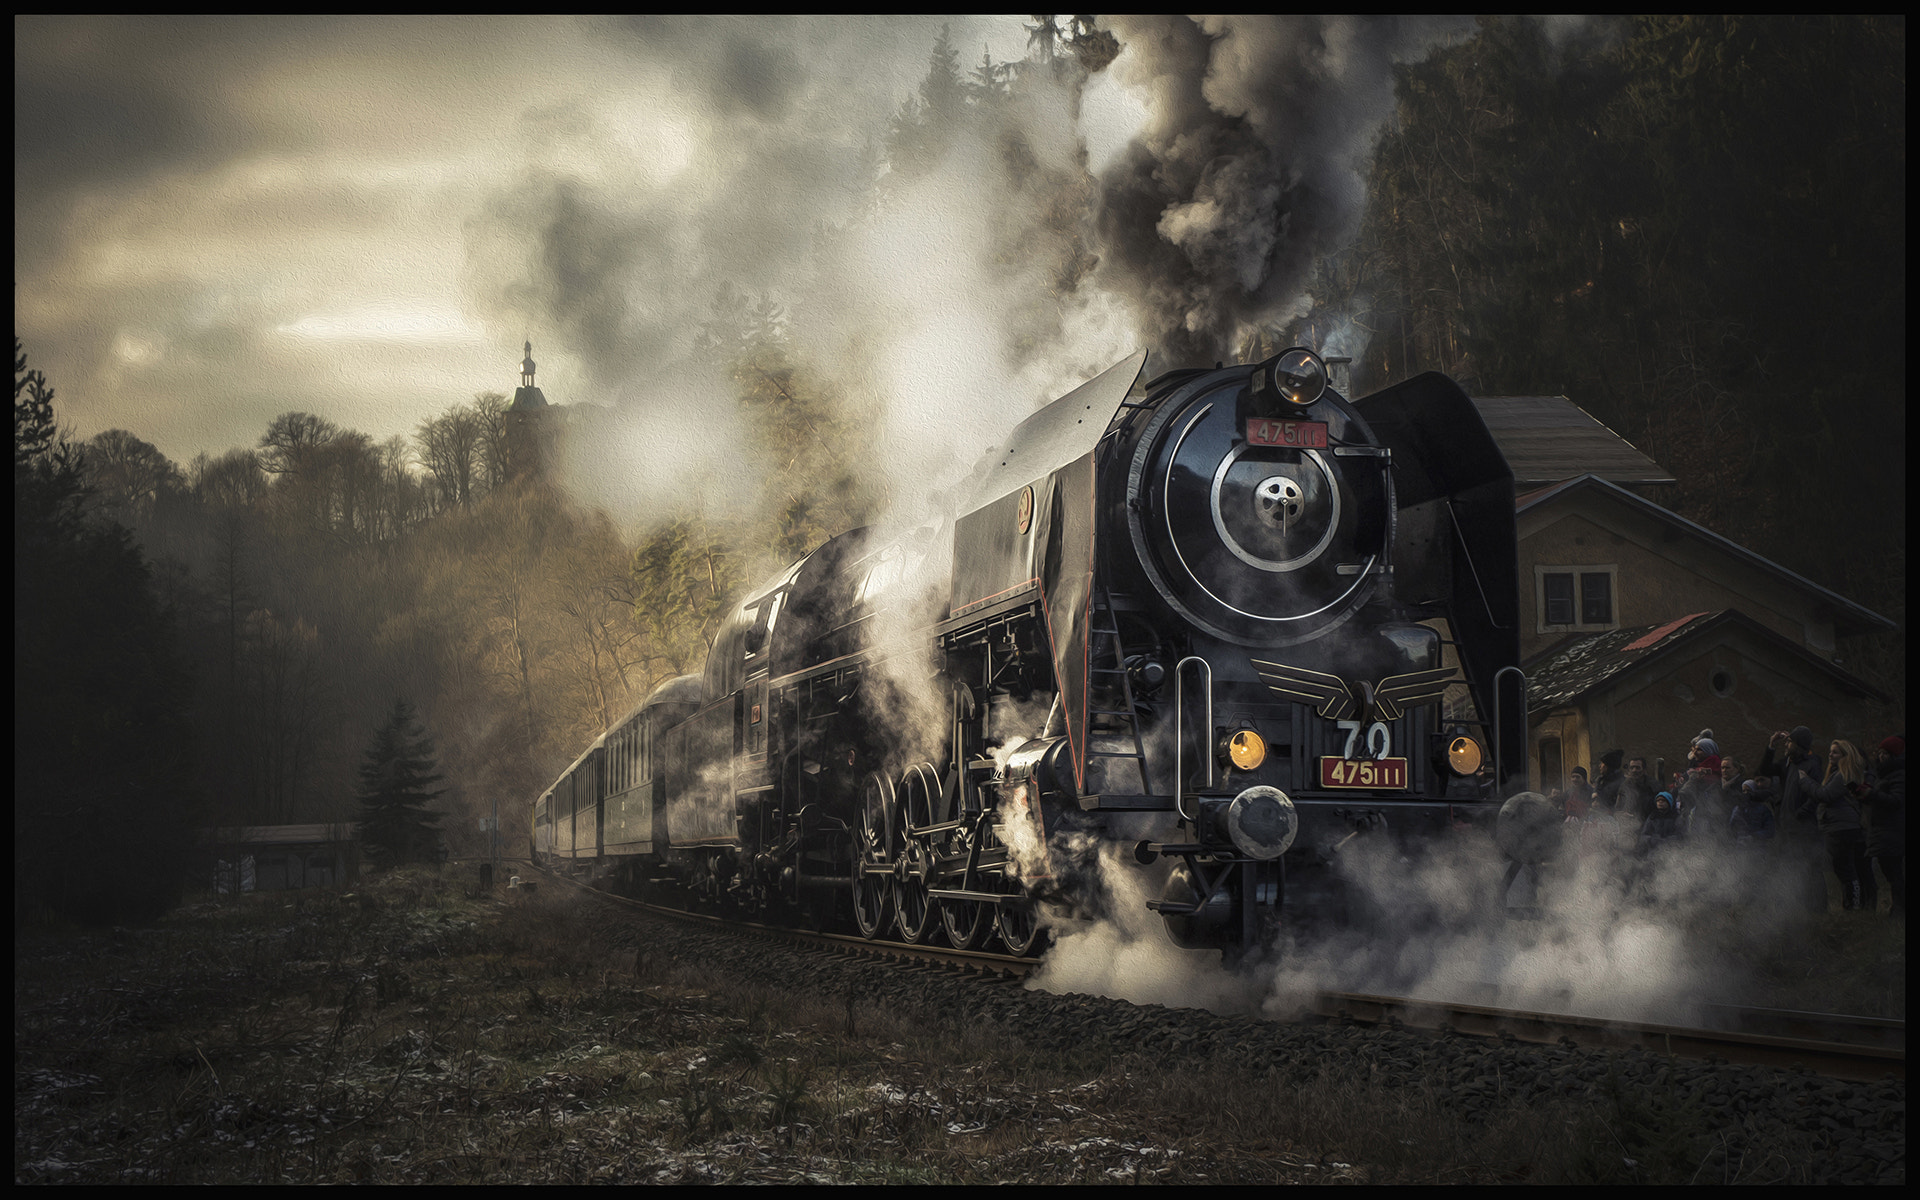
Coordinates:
(528, 418)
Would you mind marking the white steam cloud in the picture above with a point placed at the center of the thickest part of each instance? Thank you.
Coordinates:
(1173, 201)
(1619, 930)
(1128, 954)
(1176, 201)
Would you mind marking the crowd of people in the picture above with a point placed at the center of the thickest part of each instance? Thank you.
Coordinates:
(1805, 814)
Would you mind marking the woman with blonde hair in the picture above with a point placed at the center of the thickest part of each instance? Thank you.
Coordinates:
(1839, 817)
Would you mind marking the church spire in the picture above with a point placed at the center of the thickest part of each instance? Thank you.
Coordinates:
(528, 418)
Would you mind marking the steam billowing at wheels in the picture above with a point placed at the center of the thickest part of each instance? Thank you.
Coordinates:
(1216, 626)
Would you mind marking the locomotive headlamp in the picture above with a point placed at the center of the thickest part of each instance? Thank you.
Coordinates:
(1299, 376)
(1245, 749)
(1464, 756)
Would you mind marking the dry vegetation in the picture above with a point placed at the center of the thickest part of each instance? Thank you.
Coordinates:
(1839, 962)
(410, 1032)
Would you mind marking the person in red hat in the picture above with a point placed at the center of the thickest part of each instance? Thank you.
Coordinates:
(1885, 807)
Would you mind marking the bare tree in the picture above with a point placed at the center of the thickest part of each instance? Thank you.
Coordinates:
(348, 472)
(491, 410)
(450, 449)
(290, 449)
(290, 440)
(233, 480)
(588, 584)
(129, 474)
(402, 501)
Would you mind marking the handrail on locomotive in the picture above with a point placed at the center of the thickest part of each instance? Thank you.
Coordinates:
(1180, 733)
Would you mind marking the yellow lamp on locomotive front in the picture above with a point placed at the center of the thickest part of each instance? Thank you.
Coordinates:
(1245, 749)
(1464, 756)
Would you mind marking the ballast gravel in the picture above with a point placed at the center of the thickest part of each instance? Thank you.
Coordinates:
(1859, 1128)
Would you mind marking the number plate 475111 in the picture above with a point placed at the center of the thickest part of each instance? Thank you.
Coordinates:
(1271, 431)
(1363, 772)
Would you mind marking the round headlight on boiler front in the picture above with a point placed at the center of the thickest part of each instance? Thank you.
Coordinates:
(1464, 755)
(1300, 376)
(1246, 750)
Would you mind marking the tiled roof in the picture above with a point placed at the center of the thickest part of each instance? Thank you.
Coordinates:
(1550, 438)
(1661, 633)
(1571, 669)
(1849, 618)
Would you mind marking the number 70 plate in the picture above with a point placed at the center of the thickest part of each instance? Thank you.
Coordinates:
(1363, 772)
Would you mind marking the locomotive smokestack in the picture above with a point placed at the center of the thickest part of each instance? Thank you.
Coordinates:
(1339, 374)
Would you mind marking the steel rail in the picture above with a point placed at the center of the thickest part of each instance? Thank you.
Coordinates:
(1860, 1049)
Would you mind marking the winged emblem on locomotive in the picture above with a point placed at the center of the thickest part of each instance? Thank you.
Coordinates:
(1337, 700)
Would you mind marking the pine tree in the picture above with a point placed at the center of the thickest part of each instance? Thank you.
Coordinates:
(105, 803)
(395, 825)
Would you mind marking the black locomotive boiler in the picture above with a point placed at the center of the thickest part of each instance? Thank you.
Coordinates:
(1224, 622)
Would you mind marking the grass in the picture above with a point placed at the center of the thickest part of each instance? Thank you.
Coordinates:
(1837, 962)
(407, 1032)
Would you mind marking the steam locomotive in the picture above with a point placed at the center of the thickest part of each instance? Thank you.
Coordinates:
(1213, 627)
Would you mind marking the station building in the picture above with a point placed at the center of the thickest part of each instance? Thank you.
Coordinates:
(1639, 628)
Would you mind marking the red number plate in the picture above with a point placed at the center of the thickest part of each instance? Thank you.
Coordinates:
(1363, 772)
(1267, 431)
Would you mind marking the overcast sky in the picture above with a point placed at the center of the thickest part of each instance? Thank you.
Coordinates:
(217, 221)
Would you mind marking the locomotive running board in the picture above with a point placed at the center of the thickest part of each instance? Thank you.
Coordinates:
(1107, 803)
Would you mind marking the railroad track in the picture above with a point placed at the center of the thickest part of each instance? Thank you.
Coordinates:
(1003, 966)
(1862, 1049)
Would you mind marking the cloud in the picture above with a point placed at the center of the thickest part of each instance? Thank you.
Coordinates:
(592, 184)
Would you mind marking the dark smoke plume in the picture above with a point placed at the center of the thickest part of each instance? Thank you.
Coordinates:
(1250, 168)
